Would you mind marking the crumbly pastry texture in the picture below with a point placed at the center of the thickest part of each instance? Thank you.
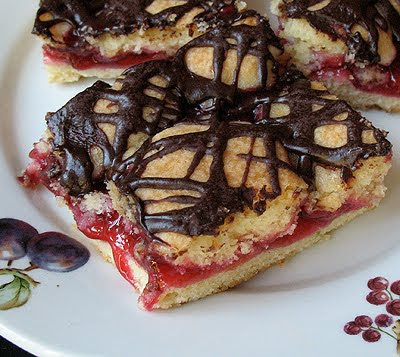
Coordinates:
(103, 38)
(352, 47)
(194, 174)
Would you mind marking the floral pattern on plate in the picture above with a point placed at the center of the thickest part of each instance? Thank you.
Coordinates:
(382, 293)
(50, 251)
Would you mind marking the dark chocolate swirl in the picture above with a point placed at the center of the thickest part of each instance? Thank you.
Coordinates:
(338, 18)
(93, 18)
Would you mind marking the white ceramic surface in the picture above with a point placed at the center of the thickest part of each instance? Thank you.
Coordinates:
(297, 309)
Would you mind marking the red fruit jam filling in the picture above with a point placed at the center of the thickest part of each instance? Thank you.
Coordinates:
(84, 60)
(383, 80)
(130, 242)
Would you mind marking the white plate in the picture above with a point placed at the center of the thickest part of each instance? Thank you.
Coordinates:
(297, 309)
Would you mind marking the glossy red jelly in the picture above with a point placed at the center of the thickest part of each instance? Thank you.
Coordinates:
(91, 59)
(124, 239)
(130, 242)
(334, 67)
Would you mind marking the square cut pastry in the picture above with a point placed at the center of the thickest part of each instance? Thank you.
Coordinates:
(195, 174)
(351, 46)
(103, 38)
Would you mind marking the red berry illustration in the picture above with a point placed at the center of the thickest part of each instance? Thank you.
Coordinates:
(393, 307)
(371, 335)
(395, 287)
(377, 297)
(383, 320)
(351, 328)
(380, 295)
(378, 283)
(363, 321)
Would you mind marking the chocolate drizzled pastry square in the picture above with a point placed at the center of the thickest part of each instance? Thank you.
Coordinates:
(196, 173)
(102, 38)
(351, 46)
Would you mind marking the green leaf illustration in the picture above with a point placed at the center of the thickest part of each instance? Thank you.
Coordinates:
(19, 274)
(17, 292)
(9, 294)
(24, 295)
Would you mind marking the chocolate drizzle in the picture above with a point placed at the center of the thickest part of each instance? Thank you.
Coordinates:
(245, 40)
(296, 130)
(76, 129)
(338, 18)
(215, 199)
(176, 96)
(93, 18)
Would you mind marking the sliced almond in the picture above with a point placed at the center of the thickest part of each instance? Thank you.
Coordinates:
(341, 116)
(279, 110)
(135, 141)
(319, 6)
(276, 52)
(97, 157)
(200, 60)
(329, 97)
(368, 137)
(117, 84)
(150, 92)
(160, 5)
(159, 81)
(249, 73)
(396, 5)
(149, 114)
(105, 106)
(362, 31)
(229, 67)
(109, 130)
(316, 107)
(317, 86)
(386, 49)
(46, 16)
(59, 30)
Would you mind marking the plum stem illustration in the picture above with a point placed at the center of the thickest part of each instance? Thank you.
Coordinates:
(390, 294)
(31, 267)
(385, 332)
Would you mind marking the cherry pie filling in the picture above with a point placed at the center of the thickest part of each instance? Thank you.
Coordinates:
(129, 241)
(87, 59)
(374, 78)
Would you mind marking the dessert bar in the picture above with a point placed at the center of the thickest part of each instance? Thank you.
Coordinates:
(192, 175)
(351, 46)
(103, 38)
